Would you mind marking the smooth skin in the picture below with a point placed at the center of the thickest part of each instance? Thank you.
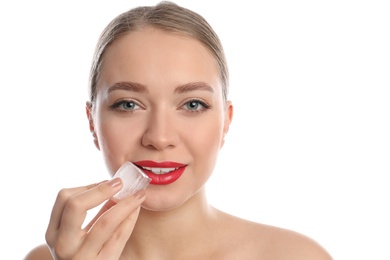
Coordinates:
(159, 97)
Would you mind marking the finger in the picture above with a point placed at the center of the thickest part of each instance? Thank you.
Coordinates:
(58, 207)
(113, 248)
(108, 222)
(70, 232)
(103, 209)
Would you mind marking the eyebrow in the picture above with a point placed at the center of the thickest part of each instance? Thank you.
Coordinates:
(140, 88)
(129, 86)
(193, 86)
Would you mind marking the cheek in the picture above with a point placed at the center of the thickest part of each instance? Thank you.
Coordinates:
(206, 140)
(211, 139)
(117, 140)
(110, 137)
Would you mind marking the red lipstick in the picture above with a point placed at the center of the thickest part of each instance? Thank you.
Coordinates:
(162, 173)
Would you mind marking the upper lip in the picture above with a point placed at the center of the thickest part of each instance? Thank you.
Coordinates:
(153, 164)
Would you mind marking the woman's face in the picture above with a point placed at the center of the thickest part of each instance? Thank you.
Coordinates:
(159, 105)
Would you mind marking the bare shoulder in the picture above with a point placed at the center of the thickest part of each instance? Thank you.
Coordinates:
(40, 252)
(284, 243)
(269, 242)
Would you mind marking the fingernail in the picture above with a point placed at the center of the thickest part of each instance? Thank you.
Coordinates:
(139, 194)
(115, 182)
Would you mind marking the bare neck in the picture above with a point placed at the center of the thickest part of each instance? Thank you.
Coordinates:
(173, 231)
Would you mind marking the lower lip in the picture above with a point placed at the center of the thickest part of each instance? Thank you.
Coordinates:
(164, 179)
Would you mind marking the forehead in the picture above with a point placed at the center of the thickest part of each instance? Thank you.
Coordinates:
(152, 54)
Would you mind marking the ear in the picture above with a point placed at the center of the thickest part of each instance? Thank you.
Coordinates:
(227, 120)
(89, 112)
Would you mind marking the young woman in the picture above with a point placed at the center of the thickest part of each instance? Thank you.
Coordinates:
(158, 98)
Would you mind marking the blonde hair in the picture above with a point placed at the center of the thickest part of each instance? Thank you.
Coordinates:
(167, 16)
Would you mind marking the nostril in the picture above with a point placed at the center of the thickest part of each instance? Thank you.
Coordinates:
(160, 137)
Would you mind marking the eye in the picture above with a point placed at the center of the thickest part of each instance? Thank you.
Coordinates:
(127, 105)
(196, 105)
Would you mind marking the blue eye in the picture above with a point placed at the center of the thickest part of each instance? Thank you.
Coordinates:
(125, 105)
(196, 105)
(128, 105)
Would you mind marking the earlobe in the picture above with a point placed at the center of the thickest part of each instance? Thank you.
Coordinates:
(228, 120)
(228, 116)
(88, 110)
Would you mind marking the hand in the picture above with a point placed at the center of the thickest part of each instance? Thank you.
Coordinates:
(107, 233)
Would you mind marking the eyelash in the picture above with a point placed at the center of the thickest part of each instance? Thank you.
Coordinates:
(204, 106)
(118, 104)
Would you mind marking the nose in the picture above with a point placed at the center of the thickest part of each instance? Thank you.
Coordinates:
(160, 132)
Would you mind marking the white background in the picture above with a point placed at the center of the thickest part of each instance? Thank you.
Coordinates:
(309, 147)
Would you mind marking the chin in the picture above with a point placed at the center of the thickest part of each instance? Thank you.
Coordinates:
(163, 200)
(155, 208)
(158, 203)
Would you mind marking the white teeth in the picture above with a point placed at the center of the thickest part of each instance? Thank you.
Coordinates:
(159, 170)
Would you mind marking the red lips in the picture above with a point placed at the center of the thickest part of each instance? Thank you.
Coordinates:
(163, 178)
